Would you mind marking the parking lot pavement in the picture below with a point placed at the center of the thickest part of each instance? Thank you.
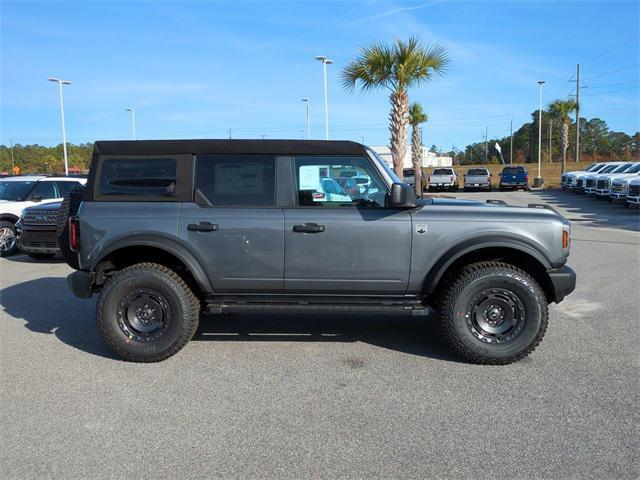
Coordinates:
(327, 396)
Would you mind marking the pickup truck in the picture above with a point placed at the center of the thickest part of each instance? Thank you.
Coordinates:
(477, 179)
(443, 179)
(513, 178)
(169, 229)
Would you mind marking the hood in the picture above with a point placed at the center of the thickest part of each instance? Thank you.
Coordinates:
(45, 207)
(452, 202)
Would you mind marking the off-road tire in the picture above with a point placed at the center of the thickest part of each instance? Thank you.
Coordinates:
(182, 320)
(70, 205)
(455, 302)
(14, 249)
(41, 256)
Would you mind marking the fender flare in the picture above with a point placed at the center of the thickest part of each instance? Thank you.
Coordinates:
(165, 243)
(9, 217)
(433, 277)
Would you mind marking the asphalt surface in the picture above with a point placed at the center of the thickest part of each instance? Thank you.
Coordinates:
(330, 396)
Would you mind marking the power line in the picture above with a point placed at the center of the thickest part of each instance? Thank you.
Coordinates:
(614, 84)
(612, 91)
(613, 71)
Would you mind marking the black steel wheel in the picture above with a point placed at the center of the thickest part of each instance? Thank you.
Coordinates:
(147, 312)
(493, 313)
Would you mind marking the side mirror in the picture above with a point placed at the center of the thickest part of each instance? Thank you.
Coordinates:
(402, 196)
(36, 198)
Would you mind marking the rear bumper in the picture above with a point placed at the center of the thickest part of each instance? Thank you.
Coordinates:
(80, 283)
(563, 281)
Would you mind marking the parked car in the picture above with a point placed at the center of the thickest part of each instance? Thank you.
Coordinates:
(409, 177)
(36, 231)
(568, 179)
(157, 259)
(578, 180)
(603, 181)
(477, 178)
(633, 192)
(18, 193)
(587, 183)
(443, 179)
(620, 183)
(513, 178)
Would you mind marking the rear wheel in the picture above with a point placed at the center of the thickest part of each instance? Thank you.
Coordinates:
(8, 244)
(493, 313)
(147, 313)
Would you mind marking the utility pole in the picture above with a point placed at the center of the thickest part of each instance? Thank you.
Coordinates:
(577, 113)
(13, 164)
(511, 149)
(550, 133)
(486, 145)
(229, 134)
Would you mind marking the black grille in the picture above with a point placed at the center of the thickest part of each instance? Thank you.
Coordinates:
(40, 217)
(602, 184)
(617, 187)
(32, 243)
(634, 190)
(590, 182)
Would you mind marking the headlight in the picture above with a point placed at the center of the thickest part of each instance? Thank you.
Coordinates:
(23, 213)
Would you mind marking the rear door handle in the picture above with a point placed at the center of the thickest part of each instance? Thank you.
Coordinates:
(202, 227)
(308, 228)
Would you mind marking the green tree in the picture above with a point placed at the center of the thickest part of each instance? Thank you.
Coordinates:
(417, 117)
(396, 67)
(561, 109)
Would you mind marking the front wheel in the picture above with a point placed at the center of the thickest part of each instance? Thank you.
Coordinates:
(147, 313)
(8, 244)
(493, 313)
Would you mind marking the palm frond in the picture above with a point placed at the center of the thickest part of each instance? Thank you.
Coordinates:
(417, 114)
(562, 108)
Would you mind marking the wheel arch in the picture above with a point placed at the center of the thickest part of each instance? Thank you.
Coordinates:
(514, 251)
(9, 217)
(138, 249)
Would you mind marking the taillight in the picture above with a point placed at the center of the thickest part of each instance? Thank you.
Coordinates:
(318, 195)
(526, 178)
(74, 234)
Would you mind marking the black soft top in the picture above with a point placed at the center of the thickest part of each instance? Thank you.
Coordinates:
(228, 147)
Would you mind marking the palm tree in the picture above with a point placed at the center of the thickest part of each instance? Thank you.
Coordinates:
(396, 67)
(561, 110)
(417, 117)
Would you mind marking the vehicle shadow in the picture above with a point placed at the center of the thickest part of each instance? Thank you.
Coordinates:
(399, 331)
(586, 208)
(24, 258)
(53, 310)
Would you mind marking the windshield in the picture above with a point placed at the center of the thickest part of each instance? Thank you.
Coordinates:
(608, 168)
(623, 168)
(443, 171)
(384, 166)
(592, 167)
(634, 169)
(477, 171)
(15, 191)
(513, 170)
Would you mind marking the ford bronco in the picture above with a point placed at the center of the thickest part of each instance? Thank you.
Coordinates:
(167, 230)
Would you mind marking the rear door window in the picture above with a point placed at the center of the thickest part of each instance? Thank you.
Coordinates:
(235, 181)
(66, 187)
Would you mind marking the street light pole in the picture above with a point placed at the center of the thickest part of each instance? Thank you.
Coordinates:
(538, 181)
(64, 133)
(306, 104)
(133, 121)
(325, 61)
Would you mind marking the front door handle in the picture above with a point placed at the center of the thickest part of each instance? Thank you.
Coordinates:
(202, 227)
(308, 228)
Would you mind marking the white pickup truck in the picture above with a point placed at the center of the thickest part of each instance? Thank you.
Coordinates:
(443, 179)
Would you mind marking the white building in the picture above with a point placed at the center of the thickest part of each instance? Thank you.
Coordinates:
(429, 159)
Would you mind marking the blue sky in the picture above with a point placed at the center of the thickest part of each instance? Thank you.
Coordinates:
(195, 69)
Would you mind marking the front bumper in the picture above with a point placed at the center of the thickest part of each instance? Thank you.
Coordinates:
(37, 239)
(618, 195)
(635, 200)
(80, 283)
(563, 281)
(602, 193)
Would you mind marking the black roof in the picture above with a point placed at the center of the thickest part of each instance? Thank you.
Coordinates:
(229, 147)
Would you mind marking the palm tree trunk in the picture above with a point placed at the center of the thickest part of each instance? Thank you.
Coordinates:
(399, 119)
(565, 143)
(416, 157)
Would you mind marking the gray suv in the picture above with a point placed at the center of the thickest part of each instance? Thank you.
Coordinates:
(166, 230)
